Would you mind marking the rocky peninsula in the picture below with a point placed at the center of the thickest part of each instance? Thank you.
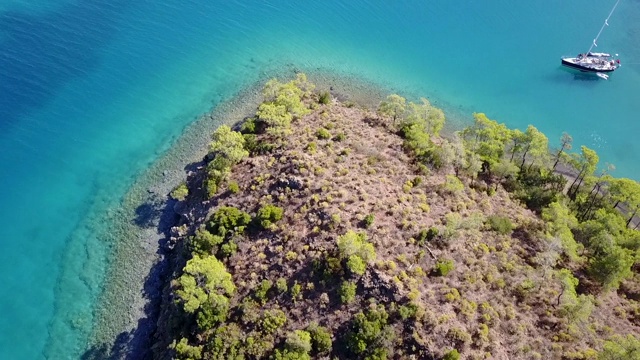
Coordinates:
(321, 228)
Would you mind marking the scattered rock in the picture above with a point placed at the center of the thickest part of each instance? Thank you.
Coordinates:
(290, 182)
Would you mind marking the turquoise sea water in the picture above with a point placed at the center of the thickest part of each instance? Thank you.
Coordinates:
(92, 92)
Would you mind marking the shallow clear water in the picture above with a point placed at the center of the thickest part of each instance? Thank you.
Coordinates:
(91, 92)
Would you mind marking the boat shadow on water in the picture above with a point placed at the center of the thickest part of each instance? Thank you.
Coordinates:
(579, 75)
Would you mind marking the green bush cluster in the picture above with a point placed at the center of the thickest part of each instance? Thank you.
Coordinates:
(459, 336)
(311, 147)
(356, 265)
(205, 288)
(216, 237)
(204, 243)
(407, 311)
(283, 103)
(426, 235)
(536, 188)
(621, 348)
(184, 351)
(370, 336)
(228, 220)
(453, 185)
(296, 292)
(368, 221)
(324, 97)
(320, 338)
(297, 346)
(356, 251)
(281, 285)
(323, 134)
(347, 292)
(451, 355)
(262, 291)
(269, 214)
(227, 149)
(233, 187)
(500, 224)
(181, 192)
(257, 347)
(227, 342)
(443, 267)
(525, 288)
(272, 320)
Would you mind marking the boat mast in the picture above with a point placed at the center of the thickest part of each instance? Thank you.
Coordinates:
(606, 23)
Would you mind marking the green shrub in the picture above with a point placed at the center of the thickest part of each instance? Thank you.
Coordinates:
(323, 134)
(228, 145)
(536, 188)
(262, 290)
(213, 312)
(324, 97)
(227, 342)
(259, 346)
(311, 147)
(407, 186)
(368, 221)
(226, 219)
(298, 341)
(281, 285)
(204, 243)
(347, 292)
(296, 292)
(353, 243)
(203, 278)
(458, 336)
(233, 186)
(407, 311)
(354, 248)
(181, 192)
(612, 266)
(186, 351)
(453, 185)
(443, 267)
(269, 214)
(248, 126)
(500, 224)
(427, 235)
(272, 320)
(525, 288)
(320, 338)
(356, 265)
(228, 249)
(369, 334)
(291, 255)
(340, 137)
(451, 355)
(621, 348)
(251, 143)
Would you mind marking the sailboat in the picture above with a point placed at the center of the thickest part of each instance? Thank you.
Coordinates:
(594, 62)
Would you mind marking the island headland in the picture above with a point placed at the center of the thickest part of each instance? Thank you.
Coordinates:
(321, 228)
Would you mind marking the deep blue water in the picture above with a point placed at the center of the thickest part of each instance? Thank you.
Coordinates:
(91, 92)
